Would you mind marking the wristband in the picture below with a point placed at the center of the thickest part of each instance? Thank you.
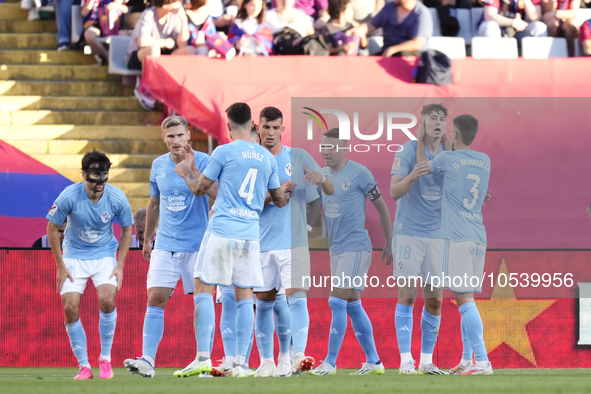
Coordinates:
(309, 227)
(323, 178)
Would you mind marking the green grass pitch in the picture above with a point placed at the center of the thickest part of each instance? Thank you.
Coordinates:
(59, 381)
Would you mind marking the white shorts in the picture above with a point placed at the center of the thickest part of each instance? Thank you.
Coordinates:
(166, 268)
(417, 256)
(226, 261)
(300, 269)
(351, 269)
(465, 260)
(99, 270)
(276, 265)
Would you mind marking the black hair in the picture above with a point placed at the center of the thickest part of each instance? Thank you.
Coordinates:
(239, 114)
(96, 157)
(467, 125)
(271, 114)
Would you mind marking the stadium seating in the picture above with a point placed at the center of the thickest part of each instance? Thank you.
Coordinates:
(466, 30)
(475, 16)
(543, 47)
(578, 49)
(494, 48)
(453, 47)
(436, 25)
(117, 48)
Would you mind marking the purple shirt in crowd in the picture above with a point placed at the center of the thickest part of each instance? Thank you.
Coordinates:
(417, 24)
(312, 7)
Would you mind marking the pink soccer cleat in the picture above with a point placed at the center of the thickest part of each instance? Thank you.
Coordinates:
(106, 370)
(84, 373)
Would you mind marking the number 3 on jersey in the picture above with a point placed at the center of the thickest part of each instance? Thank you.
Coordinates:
(249, 182)
(473, 191)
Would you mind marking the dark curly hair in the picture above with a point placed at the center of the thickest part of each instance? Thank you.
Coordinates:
(336, 7)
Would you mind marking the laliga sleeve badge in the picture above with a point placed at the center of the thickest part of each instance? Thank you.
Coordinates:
(52, 210)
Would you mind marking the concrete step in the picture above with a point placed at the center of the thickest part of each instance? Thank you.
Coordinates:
(27, 40)
(119, 161)
(15, 103)
(24, 26)
(62, 147)
(79, 117)
(73, 132)
(64, 88)
(13, 1)
(56, 72)
(138, 202)
(134, 189)
(12, 11)
(38, 56)
(115, 174)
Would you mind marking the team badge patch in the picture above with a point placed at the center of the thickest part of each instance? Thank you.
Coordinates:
(346, 184)
(396, 164)
(52, 210)
(288, 169)
(105, 217)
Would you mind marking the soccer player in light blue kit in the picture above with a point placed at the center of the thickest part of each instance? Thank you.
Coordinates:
(230, 251)
(417, 243)
(90, 249)
(350, 251)
(277, 236)
(183, 219)
(466, 175)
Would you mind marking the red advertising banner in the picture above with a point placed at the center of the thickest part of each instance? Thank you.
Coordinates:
(520, 331)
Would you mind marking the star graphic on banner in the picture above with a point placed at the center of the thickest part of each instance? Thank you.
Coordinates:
(505, 318)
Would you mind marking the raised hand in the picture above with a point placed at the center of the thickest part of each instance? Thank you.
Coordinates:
(312, 177)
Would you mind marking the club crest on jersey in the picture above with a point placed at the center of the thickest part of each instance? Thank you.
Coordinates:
(288, 169)
(105, 217)
(346, 184)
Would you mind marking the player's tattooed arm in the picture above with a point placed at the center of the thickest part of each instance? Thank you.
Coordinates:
(199, 186)
(279, 198)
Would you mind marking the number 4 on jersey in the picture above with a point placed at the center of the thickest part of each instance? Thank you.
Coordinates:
(249, 181)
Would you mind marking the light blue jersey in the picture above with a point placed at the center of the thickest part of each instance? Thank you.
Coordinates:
(89, 234)
(244, 172)
(344, 211)
(183, 216)
(466, 175)
(302, 194)
(418, 212)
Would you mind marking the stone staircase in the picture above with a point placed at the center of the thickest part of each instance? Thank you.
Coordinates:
(55, 106)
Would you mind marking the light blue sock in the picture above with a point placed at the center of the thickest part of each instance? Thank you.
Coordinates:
(264, 328)
(363, 331)
(282, 323)
(244, 325)
(403, 320)
(78, 342)
(228, 321)
(338, 327)
(153, 330)
(467, 352)
(300, 320)
(474, 329)
(250, 343)
(430, 329)
(204, 320)
(107, 324)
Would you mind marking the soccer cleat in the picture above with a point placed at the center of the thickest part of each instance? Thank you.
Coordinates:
(83, 373)
(195, 368)
(370, 369)
(140, 366)
(267, 369)
(431, 369)
(324, 369)
(476, 370)
(407, 368)
(239, 372)
(106, 372)
(249, 371)
(222, 370)
(458, 369)
(302, 363)
(283, 369)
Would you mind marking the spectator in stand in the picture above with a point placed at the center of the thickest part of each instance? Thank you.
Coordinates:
(286, 15)
(63, 20)
(222, 20)
(43, 243)
(197, 14)
(317, 9)
(139, 227)
(135, 9)
(92, 25)
(363, 10)
(250, 34)
(585, 40)
(161, 30)
(407, 25)
(559, 16)
(517, 18)
(337, 31)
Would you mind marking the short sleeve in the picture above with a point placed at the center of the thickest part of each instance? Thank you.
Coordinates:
(402, 161)
(201, 161)
(311, 193)
(146, 24)
(154, 190)
(61, 208)
(125, 217)
(425, 28)
(215, 165)
(380, 19)
(438, 164)
(368, 182)
(274, 178)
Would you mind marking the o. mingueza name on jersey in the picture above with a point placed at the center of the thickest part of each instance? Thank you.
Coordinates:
(472, 162)
(252, 154)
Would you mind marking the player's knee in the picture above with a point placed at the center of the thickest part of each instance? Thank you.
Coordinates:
(71, 313)
(408, 301)
(107, 304)
(433, 305)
